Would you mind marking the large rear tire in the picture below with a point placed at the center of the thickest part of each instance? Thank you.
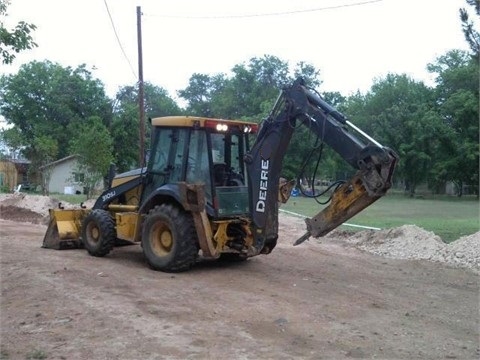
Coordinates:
(98, 232)
(169, 239)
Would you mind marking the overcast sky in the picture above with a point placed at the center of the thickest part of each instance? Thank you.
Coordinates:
(351, 42)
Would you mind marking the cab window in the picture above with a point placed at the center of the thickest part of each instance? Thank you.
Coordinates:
(197, 164)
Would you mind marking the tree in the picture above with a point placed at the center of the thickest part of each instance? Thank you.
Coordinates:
(457, 97)
(46, 152)
(471, 34)
(200, 93)
(12, 138)
(250, 86)
(240, 96)
(125, 125)
(46, 99)
(309, 73)
(249, 93)
(94, 146)
(125, 133)
(47, 105)
(397, 111)
(15, 40)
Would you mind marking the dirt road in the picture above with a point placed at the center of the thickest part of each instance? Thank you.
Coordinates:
(314, 301)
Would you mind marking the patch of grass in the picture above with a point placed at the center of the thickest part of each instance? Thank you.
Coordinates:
(4, 354)
(72, 199)
(448, 217)
(36, 355)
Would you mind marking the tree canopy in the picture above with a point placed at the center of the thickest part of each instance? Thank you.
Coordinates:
(93, 146)
(15, 40)
(457, 96)
(125, 124)
(46, 99)
(472, 36)
(248, 93)
(56, 111)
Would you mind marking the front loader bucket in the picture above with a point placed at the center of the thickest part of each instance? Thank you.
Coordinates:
(64, 229)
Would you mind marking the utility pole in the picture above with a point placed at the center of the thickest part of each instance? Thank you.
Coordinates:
(141, 102)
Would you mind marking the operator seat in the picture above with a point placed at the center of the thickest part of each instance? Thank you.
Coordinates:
(220, 175)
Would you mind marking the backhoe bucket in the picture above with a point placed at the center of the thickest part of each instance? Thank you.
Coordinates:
(64, 229)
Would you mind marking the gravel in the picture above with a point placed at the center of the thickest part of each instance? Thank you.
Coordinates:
(414, 243)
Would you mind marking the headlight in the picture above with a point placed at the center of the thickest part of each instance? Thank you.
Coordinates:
(222, 127)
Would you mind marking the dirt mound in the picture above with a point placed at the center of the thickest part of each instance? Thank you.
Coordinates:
(413, 242)
(15, 213)
(36, 203)
(28, 208)
(403, 242)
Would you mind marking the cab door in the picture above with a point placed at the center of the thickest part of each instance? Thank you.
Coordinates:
(167, 159)
(198, 165)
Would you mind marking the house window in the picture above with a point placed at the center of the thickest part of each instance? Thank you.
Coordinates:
(78, 177)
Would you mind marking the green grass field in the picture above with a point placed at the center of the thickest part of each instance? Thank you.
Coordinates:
(449, 218)
(72, 199)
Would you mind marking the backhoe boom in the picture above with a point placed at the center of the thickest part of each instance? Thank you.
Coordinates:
(298, 105)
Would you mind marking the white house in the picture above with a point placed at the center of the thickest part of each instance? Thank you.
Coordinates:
(63, 178)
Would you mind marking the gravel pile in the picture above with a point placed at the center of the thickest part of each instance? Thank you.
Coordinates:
(413, 242)
(36, 203)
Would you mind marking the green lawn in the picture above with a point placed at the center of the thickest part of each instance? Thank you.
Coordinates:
(72, 199)
(449, 218)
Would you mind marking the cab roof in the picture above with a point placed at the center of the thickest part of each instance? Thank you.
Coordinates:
(197, 121)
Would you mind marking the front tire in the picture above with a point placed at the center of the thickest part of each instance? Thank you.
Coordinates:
(98, 232)
(169, 239)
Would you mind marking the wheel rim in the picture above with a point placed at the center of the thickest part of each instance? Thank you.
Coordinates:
(161, 239)
(93, 233)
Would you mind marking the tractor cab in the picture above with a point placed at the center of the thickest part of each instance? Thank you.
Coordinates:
(202, 151)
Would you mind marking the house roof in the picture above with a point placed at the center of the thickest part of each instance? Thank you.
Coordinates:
(20, 161)
(16, 161)
(59, 161)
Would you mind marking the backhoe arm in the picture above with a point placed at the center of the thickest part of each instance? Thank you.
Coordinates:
(298, 105)
(364, 188)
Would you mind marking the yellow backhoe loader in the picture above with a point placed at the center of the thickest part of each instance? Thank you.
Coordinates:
(212, 186)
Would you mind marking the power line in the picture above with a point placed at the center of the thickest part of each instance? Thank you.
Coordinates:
(292, 12)
(118, 40)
